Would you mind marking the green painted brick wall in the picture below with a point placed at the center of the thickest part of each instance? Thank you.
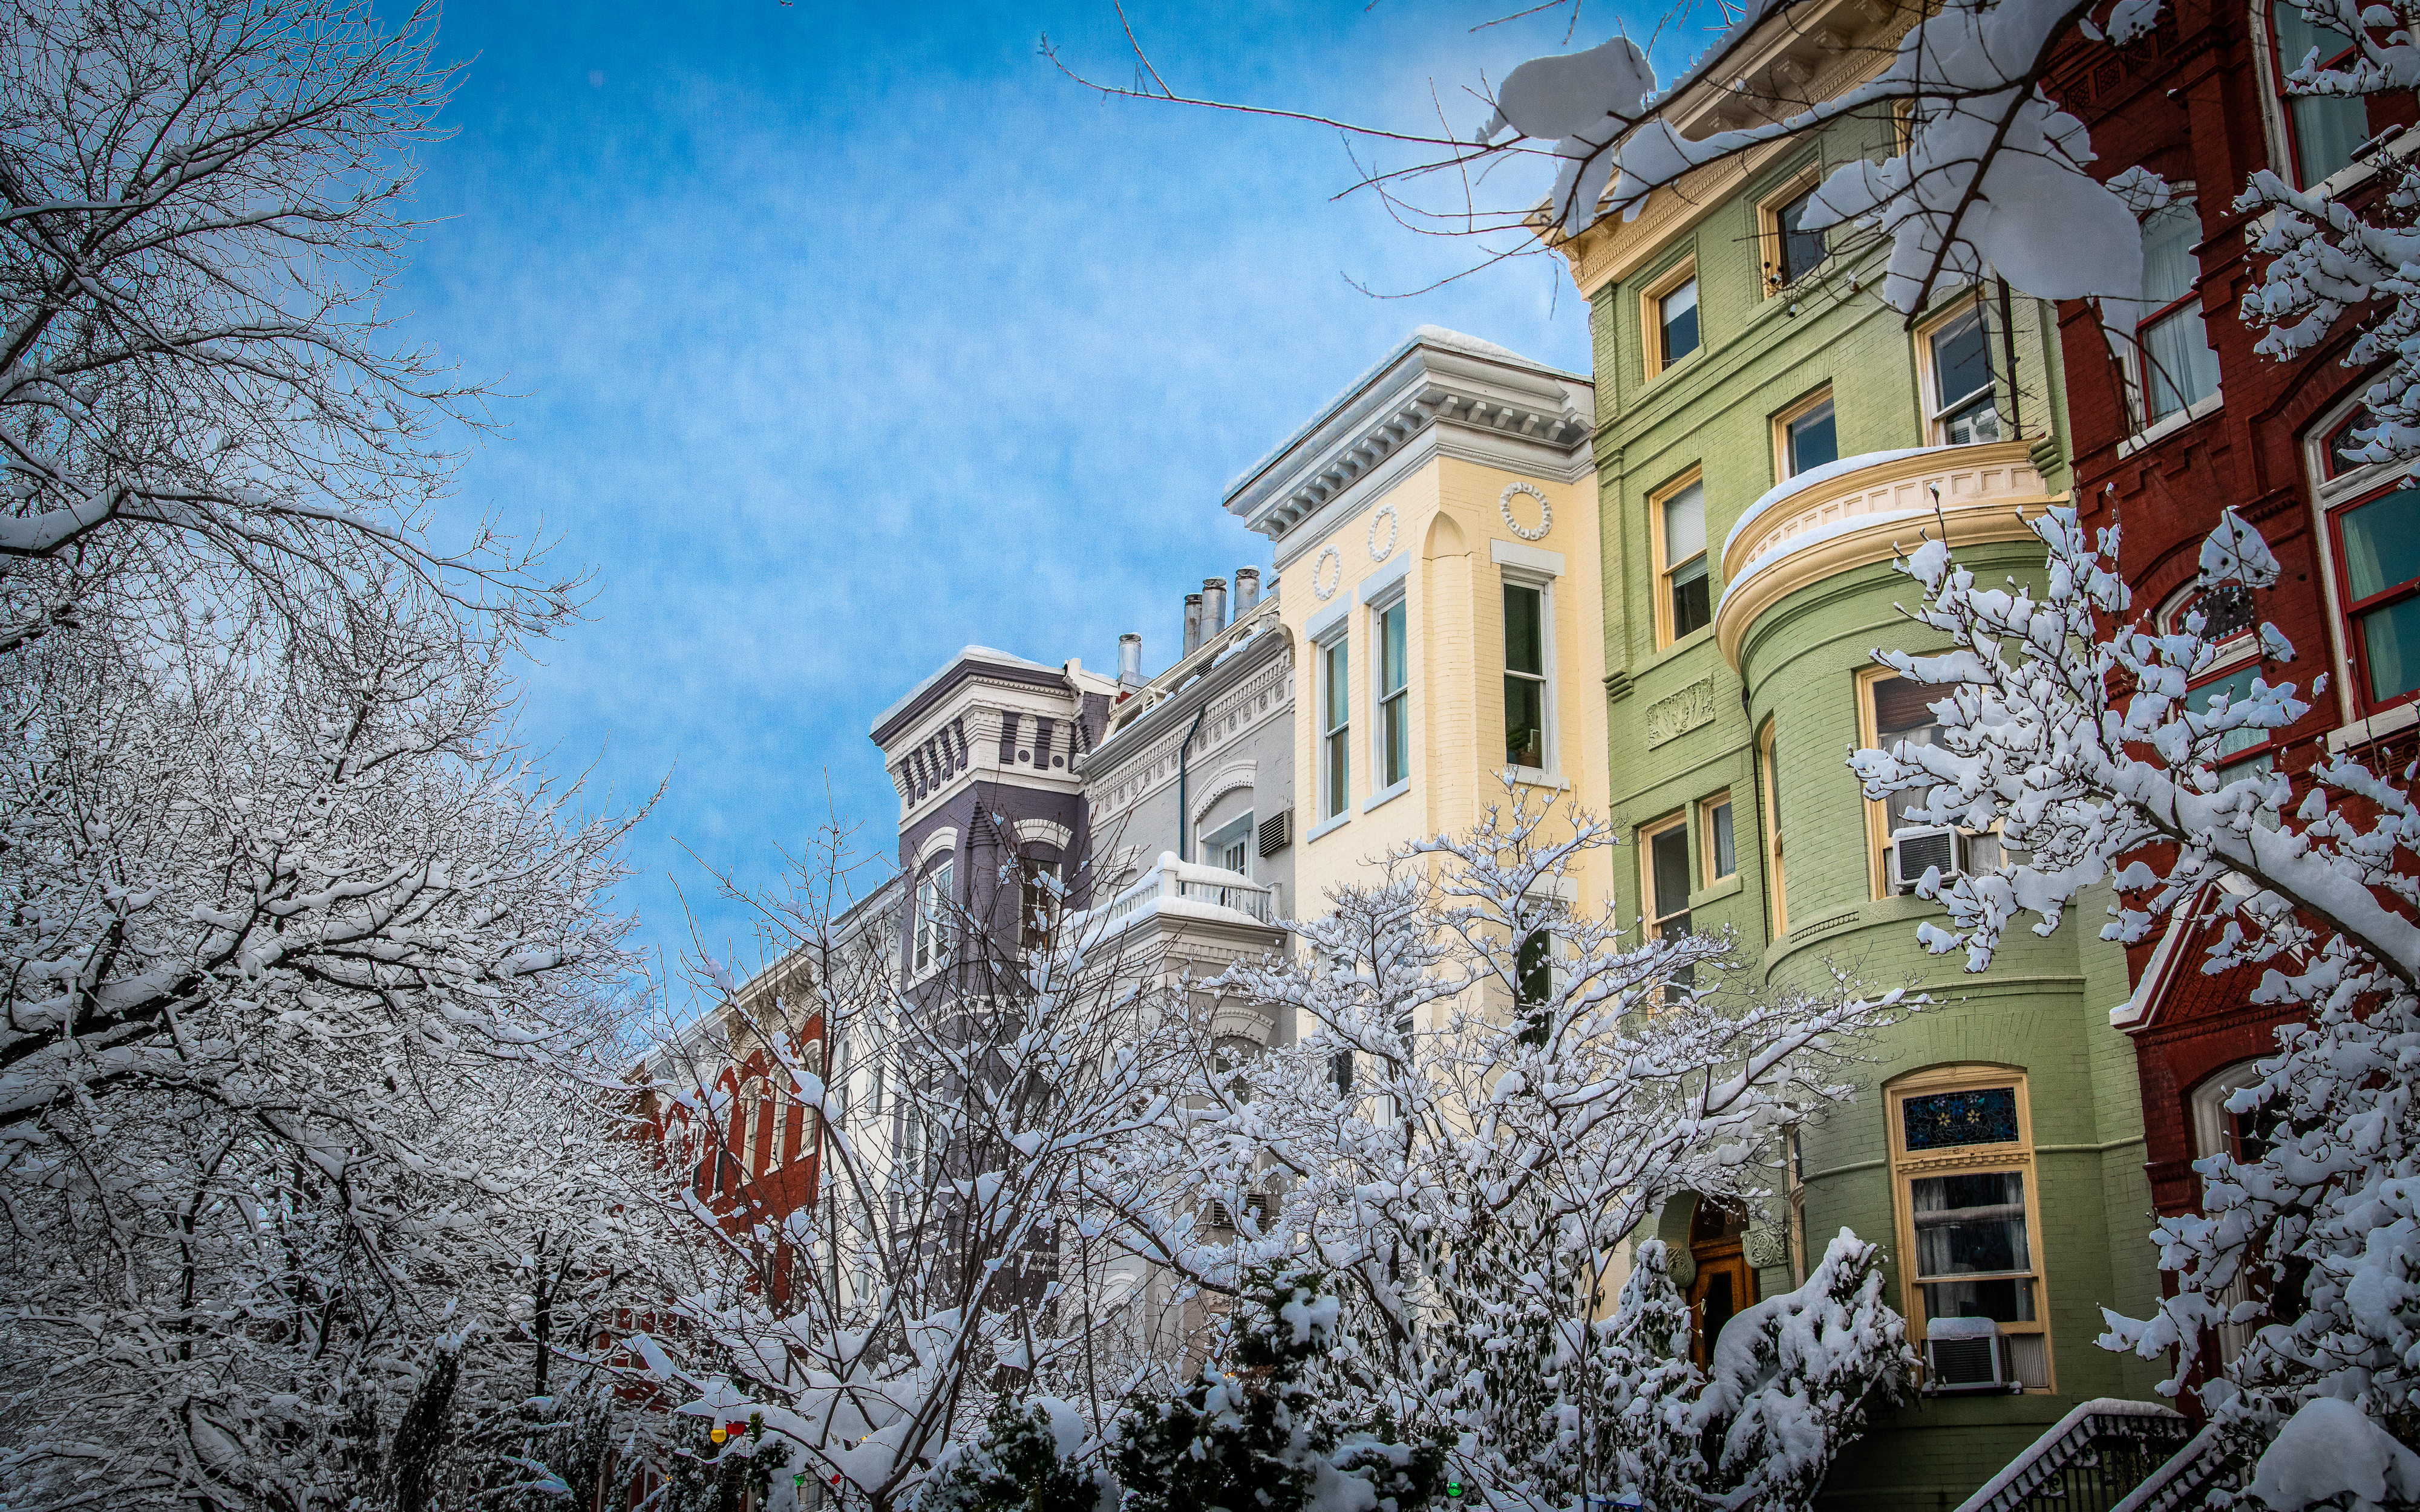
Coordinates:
(2044, 1005)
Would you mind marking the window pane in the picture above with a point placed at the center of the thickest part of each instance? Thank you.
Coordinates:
(2179, 368)
(2342, 448)
(2326, 130)
(1669, 859)
(1524, 721)
(1678, 311)
(2009, 1301)
(2390, 641)
(1684, 524)
(1337, 693)
(1531, 968)
(1394, 736)
(1692, 603)
(1813, 439)
(1340, 771)
(2381, 540)
(1391, 649)
(2168, 266)
(1525, 642)
(1962, 360)
(1970, 1225)
(1947, 1120)
(2236, 686)
(1800, 250)
(1718, 831)
(1972, 426)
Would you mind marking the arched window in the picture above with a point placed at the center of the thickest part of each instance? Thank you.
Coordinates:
(2321, 131)
(1968, 1201)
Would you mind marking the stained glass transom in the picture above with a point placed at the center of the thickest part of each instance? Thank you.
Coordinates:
(1986, 1115)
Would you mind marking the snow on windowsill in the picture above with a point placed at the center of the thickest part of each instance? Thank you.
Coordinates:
(2174, 422)
(2377, 727)
(2351, 175)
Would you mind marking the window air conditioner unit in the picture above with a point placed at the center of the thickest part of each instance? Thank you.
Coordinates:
(1920, 848)
(1967, 1354)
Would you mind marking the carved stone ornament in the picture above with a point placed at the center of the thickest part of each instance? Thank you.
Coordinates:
(1680, 713)
(1764, 1248)
(1325, 581)
(1394, 529)
(1545, 511)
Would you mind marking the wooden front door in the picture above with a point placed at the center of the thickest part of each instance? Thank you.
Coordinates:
(1724, 1285)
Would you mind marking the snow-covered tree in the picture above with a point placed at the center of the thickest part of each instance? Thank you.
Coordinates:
(302, 974)
(2067, 725)
(947, 1257)
(313, 1166)
(1498, 1091)
(202, 402)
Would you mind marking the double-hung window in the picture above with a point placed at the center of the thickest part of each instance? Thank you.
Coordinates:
(1958, 379)
(1676, 313)
(1794, 250)
(1664, 852)
(1768, 753)
(1717, 843)
(2173, 363)
(1525, 676)
(1668, 318)
(933, 897)
(1684, 599)
(2321, 131)
(1394, 693)
(2377, 546)
(1807, 436)
(1038, 904)
(1898, 713)
(1962, 1168)
(1335, 728)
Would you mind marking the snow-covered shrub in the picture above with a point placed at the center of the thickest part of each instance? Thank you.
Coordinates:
(1028, 1459)
(1253, 1432)
(2066, 724)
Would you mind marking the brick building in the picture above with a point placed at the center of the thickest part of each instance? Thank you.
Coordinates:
(2185, 419)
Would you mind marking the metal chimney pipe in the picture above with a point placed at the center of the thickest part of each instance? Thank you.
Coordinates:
(1214, 606)
(1193, 624)
(1248, 590)
(1130, 657)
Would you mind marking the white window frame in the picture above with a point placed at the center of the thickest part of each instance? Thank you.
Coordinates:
(2138, 364)
(930, 933)
(2328, 495)
(1543, 583)
(1334, 806)
(1650, 316)
(1938, 407)
(1379, 608)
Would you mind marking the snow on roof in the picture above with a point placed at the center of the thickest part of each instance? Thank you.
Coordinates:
(965, 653)
(1437, 337)
(1799, 483)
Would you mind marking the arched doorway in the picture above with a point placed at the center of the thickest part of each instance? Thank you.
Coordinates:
(1724, 1284)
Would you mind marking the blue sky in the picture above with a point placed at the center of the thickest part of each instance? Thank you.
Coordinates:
(837, 337)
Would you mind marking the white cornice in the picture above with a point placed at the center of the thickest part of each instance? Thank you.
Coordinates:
(1440, 394)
